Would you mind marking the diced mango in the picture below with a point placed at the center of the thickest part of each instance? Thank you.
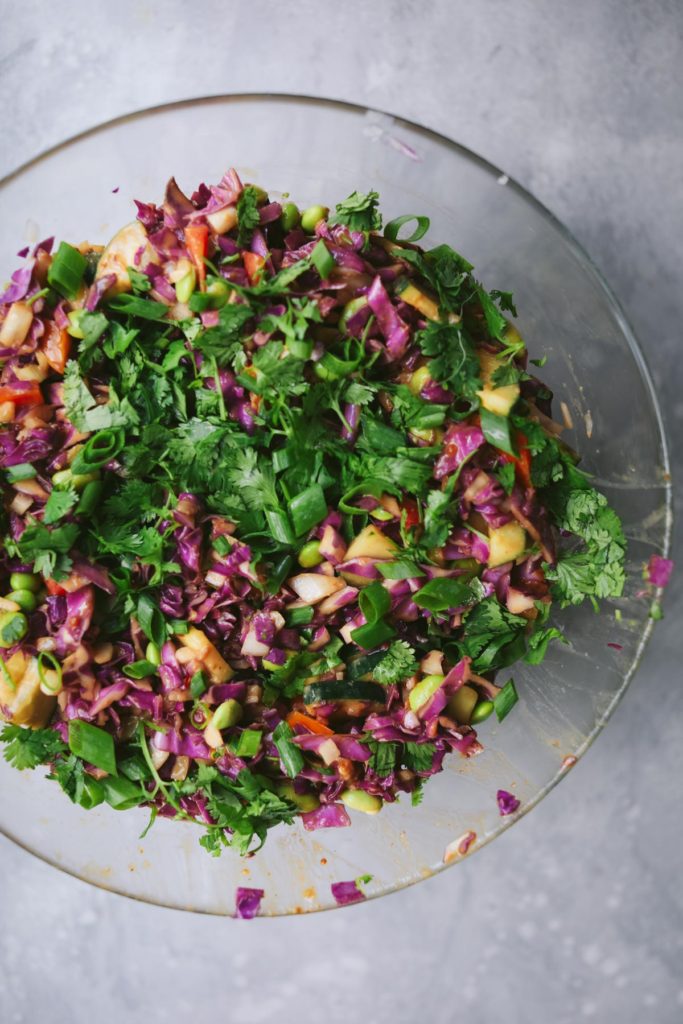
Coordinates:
(506, 543)
(22, 702)
(416, 298)
(496, 400)
(371, 543)
(120, 254)
(204, 651)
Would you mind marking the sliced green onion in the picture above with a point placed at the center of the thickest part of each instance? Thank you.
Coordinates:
(279, 573)
(299, 616)
(186, 285)
(505, 701)
(332, 367)
(198, 685)
(401, 570)
(92, 744)
(45, 684)
(323, 260)
(290, 755)
(392, 229)
(90, 498)
(372, 634)
(279, 525)
(65, 273)
(247, 743)
(151, 620)
(443, 593)
(24, 471)
(179, 627)
(101, 448)
(374, 602)
(371, 488)
(91, 794)
(496, 430)
(122, 794)
(200, 716)
(282, 459)
(139, 669)
(307, 509)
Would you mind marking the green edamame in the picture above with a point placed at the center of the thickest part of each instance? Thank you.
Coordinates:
(26, 599)
(310, 556)
(290, 216)
(25, 581)
(482, 711)
(311, 216)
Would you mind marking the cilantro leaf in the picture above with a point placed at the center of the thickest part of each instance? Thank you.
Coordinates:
(359, 212)
(398, 664)
(383, 760)
(537, 644)
(58, 504)
(248, 216)
(224, 341)
(418, 756)
(454, 361)
(27, 748)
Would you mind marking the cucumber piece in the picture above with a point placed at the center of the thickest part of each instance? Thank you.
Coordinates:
(343, 689)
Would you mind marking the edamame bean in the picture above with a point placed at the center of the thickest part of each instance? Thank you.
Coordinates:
(304, 801)
(483, 710)
(309, 556)
(290, 216)
(311, 216)
(25, 581)
(26, 599)
(227, 714)
(359, 800)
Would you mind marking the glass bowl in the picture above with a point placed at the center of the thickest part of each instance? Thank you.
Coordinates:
(320, 151)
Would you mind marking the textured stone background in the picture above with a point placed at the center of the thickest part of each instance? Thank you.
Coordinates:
(577, 912)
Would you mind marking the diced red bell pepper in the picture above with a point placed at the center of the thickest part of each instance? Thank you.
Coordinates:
(56, 346)
(412, 515)
(31, 395)
(522, 462)
(253, 264)
(197, 242)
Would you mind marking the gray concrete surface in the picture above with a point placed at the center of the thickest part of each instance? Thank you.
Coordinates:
(576, 914)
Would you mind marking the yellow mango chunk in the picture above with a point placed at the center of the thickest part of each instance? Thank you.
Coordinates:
(496, 400)
(506, 543)
(22, 702)
(371, 543)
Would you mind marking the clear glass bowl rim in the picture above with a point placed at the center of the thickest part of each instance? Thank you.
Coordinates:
(587, 264)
